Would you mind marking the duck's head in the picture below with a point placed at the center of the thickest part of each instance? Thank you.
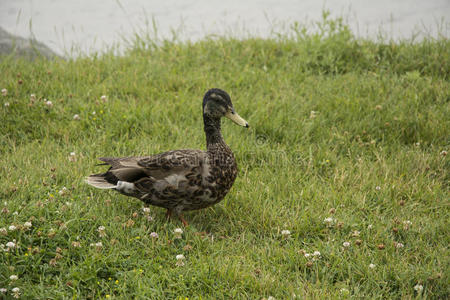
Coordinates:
(217, 104)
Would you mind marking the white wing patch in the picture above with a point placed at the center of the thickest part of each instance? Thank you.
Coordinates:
(125, 187)
(174, 180)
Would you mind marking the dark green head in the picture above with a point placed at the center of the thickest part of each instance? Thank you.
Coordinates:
(217, 104)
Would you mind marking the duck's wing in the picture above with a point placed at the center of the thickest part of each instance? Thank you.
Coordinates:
(172, 162)
(168, 168)
(173, 172)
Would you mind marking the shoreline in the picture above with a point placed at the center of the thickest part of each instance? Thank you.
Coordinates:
(85, 28)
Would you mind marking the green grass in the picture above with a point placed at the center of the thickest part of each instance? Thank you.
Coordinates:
(382, 120)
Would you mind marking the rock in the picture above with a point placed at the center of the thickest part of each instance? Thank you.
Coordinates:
(21, 47)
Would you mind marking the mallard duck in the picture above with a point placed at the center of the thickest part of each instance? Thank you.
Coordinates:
(180, 180)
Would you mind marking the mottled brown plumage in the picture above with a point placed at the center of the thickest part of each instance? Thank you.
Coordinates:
(180, 180)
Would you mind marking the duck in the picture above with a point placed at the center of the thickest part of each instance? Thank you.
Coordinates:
(180, 180)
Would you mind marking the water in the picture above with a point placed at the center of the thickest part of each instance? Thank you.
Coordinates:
(92, 25)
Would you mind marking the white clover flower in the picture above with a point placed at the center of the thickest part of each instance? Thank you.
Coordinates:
(154, 235)
(15, 213)
(98, 245)
(180, 258)
(149, 218)
(13, 277)
(27, 225)
(93, 113)
(64, 191)
(356, 233)
(76, 117)
(407, 224)
(270, 298)
(346, 244)
(328, 220)
(76, 244)
(6, 104)
(3, 231)
(10, 245)
(16, 292)
(307, 255)
(316, 253)
(444, 153)
(178, 232)
(313, 114)
(101, 231)
(72, 156)
(146, 210)
(12, 228)
(3, 290)
(49, 103)
(418, 288)
(33, 97)
(285, 233)
(103, 98)
(378, 188)
(370, 226)
(399, 245)
(51, 233)
(4, 92)
(372, 266)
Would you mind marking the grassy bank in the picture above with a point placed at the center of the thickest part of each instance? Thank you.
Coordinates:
(346, 151)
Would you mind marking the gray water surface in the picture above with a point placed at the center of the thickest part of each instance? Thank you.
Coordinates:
(93, 25)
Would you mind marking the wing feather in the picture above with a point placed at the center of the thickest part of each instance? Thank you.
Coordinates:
(172, 162)
(157, 167)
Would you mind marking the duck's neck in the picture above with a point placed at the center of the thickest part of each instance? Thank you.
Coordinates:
(212, 131)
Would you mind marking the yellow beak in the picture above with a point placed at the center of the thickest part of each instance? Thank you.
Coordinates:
(233, 116)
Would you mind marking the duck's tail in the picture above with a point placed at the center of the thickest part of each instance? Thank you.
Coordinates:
(99, 181)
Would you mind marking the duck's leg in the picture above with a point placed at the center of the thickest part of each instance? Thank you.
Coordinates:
(180, 216)
(168, 214)
(185, 223)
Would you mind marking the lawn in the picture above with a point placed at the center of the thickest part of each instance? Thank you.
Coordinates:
(343, 185)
